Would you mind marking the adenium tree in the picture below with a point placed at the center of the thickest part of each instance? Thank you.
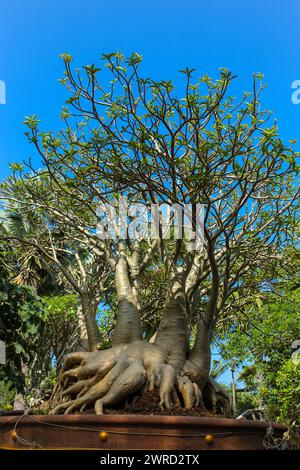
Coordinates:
(136, 138)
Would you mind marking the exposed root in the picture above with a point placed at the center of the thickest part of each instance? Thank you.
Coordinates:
(104, 379)
(132, 379)
(217, 398)
(209, 393)
(190, 392)
(167, 379)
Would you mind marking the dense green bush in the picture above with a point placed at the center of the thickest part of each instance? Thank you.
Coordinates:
(286, 394)
(7, 395)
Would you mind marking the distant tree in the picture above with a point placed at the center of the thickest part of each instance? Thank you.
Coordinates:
(21, 323)
(59, 333)
(262, 348)
(53, 262)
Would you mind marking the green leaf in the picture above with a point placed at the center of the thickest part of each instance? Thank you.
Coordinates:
(66, 57)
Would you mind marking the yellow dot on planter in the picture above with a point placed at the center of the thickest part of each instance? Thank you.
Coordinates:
(103, 436)
(14, 435)
(209, 438)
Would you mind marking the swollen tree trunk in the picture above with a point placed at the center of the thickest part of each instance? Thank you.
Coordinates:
(89, 311)
(132, 366)
(172, 333)
(128, 327)
(83, 343)
(200, 355)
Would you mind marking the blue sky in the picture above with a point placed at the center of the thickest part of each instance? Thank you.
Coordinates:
(245, 36)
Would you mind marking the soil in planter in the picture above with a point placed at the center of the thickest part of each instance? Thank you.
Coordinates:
(148, 404)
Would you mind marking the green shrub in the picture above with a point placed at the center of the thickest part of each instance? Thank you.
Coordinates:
(7, 395)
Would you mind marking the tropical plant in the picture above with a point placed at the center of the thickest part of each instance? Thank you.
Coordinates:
(136, 138)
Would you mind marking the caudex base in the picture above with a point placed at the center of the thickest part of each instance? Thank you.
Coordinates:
(103, 379)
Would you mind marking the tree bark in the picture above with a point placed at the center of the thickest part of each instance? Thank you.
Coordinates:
(200, 355)
(89, 310)
(172, 333)
(83, 344)
(128, 327)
